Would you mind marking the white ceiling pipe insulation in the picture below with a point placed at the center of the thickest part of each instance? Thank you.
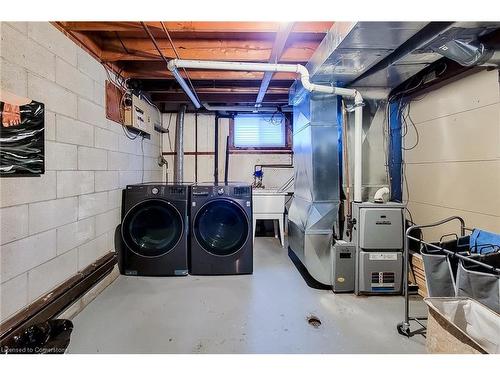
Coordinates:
(174, 64)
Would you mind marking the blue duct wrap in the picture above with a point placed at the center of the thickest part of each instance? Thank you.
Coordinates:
(395, 152)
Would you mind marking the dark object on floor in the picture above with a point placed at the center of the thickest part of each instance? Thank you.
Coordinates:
(50, 337)
(314, 321)
(51, 304)
(310, 281)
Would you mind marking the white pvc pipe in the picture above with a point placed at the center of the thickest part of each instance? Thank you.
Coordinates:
(379, 194)
(308, 85)
(358, 146)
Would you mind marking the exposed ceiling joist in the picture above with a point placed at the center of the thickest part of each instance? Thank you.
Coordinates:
(221, 50)
(148, 71)
(164, 84)
(276, 55)
(138, 50)
(200, 27)
(220, 97)
(224, 90)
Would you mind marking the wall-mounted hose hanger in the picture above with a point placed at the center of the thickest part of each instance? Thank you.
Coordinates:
(302, 71)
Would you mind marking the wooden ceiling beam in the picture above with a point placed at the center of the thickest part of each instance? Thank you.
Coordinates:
(125, 47)
(276, 56)
(199, 27)
(223, 50)
(166, 84)
(223, 90)
(219, 97)
(150, 71)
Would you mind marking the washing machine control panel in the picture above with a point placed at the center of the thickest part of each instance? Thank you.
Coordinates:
(156, 190)
(219, 191)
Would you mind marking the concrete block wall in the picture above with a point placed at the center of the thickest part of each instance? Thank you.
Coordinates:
(59, 223)
(241, 165)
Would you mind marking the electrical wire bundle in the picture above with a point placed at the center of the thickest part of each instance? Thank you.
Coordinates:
(276, 118)
(404, 99)
(121, 83)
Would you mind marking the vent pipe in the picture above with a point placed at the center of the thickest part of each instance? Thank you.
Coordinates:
(301, 70)
(179, 145)
(468, 46)
(467, 53)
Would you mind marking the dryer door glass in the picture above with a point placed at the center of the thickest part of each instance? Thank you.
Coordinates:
(221, 227)
(152, 228)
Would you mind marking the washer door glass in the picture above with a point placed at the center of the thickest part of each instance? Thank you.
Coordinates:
(221, 227)
(152, 228)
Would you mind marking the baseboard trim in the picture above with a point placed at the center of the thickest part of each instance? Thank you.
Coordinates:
(57, 300)
(76, 307)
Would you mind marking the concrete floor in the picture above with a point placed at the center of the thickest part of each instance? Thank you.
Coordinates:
(261, 313)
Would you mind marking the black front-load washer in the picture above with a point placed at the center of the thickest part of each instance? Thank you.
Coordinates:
(153, 235)
(221, 236)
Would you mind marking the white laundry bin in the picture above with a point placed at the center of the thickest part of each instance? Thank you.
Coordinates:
(461, 326)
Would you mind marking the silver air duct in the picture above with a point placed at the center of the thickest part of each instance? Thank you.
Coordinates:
(463, 45)
(468, 53)
(179, 145)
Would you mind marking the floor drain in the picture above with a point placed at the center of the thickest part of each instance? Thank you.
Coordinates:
(314, 321)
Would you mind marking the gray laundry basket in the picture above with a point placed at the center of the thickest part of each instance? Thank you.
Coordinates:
(441, 269)
(438, 275)
(479, 284)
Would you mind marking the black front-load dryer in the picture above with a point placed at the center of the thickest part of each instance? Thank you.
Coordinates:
(221, 236)
(154, 230)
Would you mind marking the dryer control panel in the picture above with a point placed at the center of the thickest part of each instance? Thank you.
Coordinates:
(152, 190)
(240, 191)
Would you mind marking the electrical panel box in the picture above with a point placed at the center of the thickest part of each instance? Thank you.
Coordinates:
(343, 258)
(142, 116)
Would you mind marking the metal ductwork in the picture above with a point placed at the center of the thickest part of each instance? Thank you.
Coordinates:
(351, 49)
(423, 49)
(314, 210)
(465, 49)
(179, 145)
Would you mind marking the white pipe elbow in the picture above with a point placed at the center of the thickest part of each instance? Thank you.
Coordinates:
(380, 193)
(304, 77)
(172, 64)
(358, 99)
